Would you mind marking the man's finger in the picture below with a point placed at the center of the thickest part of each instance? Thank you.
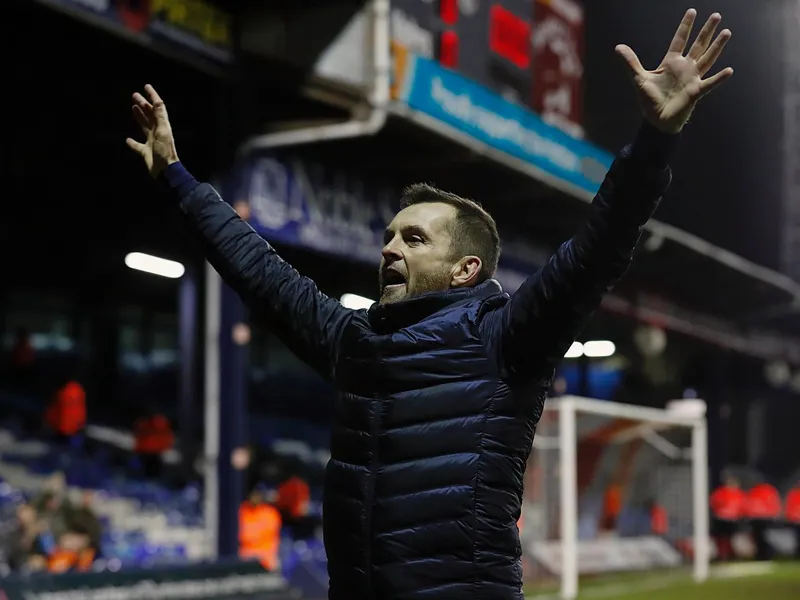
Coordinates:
(159, 108)
(681, 37)
(705, 36)
(142, 120)
(137, 147)
(629, 56)
(142, 103)
(711, 55)
(709, 85)
(152, 94)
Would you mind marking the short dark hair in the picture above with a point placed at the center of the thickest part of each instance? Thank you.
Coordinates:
(473, 231)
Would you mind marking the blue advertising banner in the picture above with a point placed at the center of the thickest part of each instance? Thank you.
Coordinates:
(298, 204)
(488, 118)
(196, 25)
(301, 205)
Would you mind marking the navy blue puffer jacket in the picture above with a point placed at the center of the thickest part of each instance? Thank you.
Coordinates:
(439, 394)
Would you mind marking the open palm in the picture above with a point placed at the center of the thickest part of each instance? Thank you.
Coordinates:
(669, 94)
(158, 149)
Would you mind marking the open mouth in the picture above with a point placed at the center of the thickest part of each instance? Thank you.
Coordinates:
(392, 278)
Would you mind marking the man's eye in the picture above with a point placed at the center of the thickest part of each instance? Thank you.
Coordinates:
(415, 239)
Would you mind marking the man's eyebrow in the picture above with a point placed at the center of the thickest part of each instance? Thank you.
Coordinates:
(388, 233)
(417, 229)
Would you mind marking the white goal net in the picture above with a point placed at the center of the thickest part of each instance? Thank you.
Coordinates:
(614, 488)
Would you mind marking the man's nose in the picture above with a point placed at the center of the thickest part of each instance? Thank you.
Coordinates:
(390, 253)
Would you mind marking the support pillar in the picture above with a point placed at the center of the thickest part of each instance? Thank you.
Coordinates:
(187, 383)
(233, 360)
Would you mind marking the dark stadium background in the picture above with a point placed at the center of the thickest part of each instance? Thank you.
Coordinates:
(76, 200)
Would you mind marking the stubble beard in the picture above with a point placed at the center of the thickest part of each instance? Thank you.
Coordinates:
(423, 284)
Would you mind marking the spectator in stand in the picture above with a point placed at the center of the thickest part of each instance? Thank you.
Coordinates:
(73, 551)
(85, 519)
(153, 436)
(53, 506)
(259, 530)
(66, 415)
(792, 514)
(293, 500)
(23, 545)
(763, 507)
(727, 510)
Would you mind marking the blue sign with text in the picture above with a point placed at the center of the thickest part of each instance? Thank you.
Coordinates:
(488, 118)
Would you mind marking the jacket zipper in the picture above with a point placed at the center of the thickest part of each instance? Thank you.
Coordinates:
(373, 474)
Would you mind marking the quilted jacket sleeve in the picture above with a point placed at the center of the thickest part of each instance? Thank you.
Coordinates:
(537, 326)
(306, 320)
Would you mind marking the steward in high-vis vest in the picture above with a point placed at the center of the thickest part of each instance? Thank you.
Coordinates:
(792, 515)
(728, 505)
(259, 531)
(764, 508)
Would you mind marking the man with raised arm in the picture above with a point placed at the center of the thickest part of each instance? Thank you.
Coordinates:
(441, 383)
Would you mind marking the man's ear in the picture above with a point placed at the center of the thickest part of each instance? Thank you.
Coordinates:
(465, 272)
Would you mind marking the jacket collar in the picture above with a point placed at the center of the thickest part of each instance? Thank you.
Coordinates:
(384, 318)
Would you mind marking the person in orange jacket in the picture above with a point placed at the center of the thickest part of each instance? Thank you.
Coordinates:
(153, 436)
(73, 552)
(66, 415)
(293, 500)
(659, 518)
(260, 531)
(792, 515)
(612, 506)
(763, 507)
(728, 503)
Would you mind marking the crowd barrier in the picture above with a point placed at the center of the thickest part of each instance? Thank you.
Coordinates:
(217, 581)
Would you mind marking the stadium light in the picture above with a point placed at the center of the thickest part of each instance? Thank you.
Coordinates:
(355, 301)
(599, 349)
(593, 349)
(155, 265)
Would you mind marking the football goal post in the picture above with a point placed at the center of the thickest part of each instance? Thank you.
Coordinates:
(612, 489)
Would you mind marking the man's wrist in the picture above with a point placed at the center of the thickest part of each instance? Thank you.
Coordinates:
(655, 146)
(179, 179)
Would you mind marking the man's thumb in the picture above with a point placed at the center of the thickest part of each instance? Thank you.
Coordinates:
(137, 147)
(629, 56)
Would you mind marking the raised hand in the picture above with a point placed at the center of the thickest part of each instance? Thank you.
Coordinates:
(669, 94)
(158, 149)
